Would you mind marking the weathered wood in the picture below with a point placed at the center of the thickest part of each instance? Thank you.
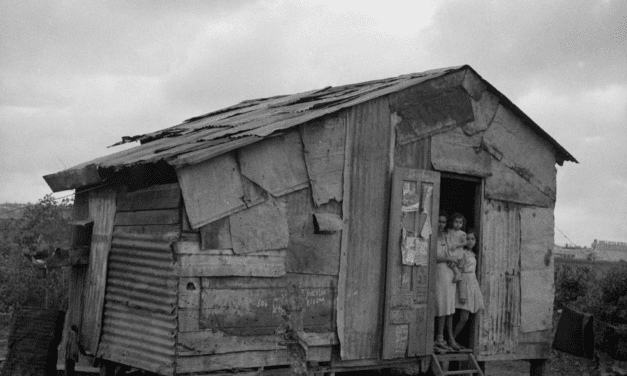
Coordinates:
(211, 190)
(276, 164)
(165, 196)
(327, 222)
(484, 110)
(166, 231)
(215, 265)
(148, 217)
(406, 320)
(308, 252)
(517, 146)
(522, 351)
(188, 320)
(248, 359)
(500, 282)
(362, 291)
(414, 155)
(216, 235)
(73, 178)
(253, 194)
(454, 151)
(209, 342)
(323, 143)
(319, 354)
(102, 204)
(261, 227)
(473, 84)
(426, 113)
(189, 292)
(506, 185)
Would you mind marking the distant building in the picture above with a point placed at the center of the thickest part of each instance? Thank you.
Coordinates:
(610, 251)
(573, 252)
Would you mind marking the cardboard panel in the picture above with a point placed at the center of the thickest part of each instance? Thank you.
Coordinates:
(211, 190)
(528, 154)
(323, 143)
(454, 151)
(260, 228)
(276, 164)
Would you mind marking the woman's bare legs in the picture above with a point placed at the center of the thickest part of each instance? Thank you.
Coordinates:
(439, 327)
(449, 332)
(463, 318)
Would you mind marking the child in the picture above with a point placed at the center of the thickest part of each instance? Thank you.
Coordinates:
(469, 287)
(456, 240)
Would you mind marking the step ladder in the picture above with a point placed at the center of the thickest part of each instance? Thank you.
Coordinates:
(452, 357)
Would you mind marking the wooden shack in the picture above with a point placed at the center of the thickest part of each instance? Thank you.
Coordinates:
(266, 236)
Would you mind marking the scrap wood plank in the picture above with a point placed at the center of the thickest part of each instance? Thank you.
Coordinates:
(216, 235)
(148, 217)
(261, 227)
(247, 359)
(527, 153)
(164, 196)
(484, 110)
(211, 190)
(537, 294)
(323, 142)
(276, 164)
(214, 265)
(454, 151)
(506, 185)
(217, 342)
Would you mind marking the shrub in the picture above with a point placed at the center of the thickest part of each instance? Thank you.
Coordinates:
(572, 282)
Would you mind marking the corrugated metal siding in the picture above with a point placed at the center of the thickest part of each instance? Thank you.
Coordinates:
(140, 304)
(499, 324)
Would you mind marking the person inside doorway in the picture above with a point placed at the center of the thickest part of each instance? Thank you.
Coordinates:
(470, 298)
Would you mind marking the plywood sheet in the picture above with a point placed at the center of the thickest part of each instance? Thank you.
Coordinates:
(308, 252)
(537, 292)
(360, 304)
(506, 185)
(425, 113)
(323, 143)
(454, 151)
(525, 152)
(261, 227)
(484, 109)
(211, 190)
(276, 164)
(102, 204)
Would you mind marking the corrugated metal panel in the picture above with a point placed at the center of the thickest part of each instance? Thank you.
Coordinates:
(499, 324)
(140, 304)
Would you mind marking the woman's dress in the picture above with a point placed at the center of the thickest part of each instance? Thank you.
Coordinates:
(474, 297)
(445, 289)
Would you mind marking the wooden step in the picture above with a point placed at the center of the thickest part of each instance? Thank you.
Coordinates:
(437, 368)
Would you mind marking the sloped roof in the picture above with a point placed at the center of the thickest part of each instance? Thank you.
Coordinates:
(203, 137)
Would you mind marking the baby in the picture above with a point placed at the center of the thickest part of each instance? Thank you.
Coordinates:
(456, 239)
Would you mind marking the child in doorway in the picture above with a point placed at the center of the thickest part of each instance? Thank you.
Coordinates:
(469, 288)
(456, 241)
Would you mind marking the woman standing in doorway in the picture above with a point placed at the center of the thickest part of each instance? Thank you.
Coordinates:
(445, 294)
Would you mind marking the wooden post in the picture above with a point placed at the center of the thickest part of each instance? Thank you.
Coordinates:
(537, 367)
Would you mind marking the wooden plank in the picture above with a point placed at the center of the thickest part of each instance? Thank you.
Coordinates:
(517, 146)
(102, 204)
(188, 320)
(189, 292)
(473, 84)
(248, 359)
(499, 324)
(323, 143)
(165, 231)
(537, 238)
(211, 190)
(253, 194)
(484, 110)
(415, 154)
(319, 354)
(217, 342)
(423, 113)
(261, 227)
(454, 151)
(506, 185)
(216, 235)
(148, 217)
(212, 265)
(368, 123)
(327, 223)
(523, 351)
(73, 178)
(318, 339)
(308, 252)
(276, 164)
(406, 319)
(537, 293)
(164, 196)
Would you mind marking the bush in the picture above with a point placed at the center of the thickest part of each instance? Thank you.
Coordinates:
(572, 282)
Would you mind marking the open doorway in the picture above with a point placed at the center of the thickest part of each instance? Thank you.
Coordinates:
(462, 194)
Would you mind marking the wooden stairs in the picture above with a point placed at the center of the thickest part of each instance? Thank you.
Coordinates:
(466, 357)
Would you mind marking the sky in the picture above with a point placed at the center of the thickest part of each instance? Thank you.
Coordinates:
(76, 76)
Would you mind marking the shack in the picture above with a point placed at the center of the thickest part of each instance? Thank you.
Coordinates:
(267, 235)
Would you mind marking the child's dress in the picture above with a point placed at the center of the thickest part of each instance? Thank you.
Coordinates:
(469, 284)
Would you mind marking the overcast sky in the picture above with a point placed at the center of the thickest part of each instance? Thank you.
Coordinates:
(76, 76)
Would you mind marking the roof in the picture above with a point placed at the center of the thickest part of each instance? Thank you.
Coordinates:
(206, 136)
(609, 246)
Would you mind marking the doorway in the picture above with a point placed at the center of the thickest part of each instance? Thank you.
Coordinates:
(463, 194)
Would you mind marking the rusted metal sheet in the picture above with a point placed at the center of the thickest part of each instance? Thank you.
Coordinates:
(360, 304)
(139, 324)
(454, 151)
(537, 276)
(499, 324)
(423, 113)
(509, 140)
(277, 164)
(211, 190)
(323, 143)
(262, 227)
(307, 251)
(102, 207)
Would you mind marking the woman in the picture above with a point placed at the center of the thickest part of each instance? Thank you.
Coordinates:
(445, 291)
